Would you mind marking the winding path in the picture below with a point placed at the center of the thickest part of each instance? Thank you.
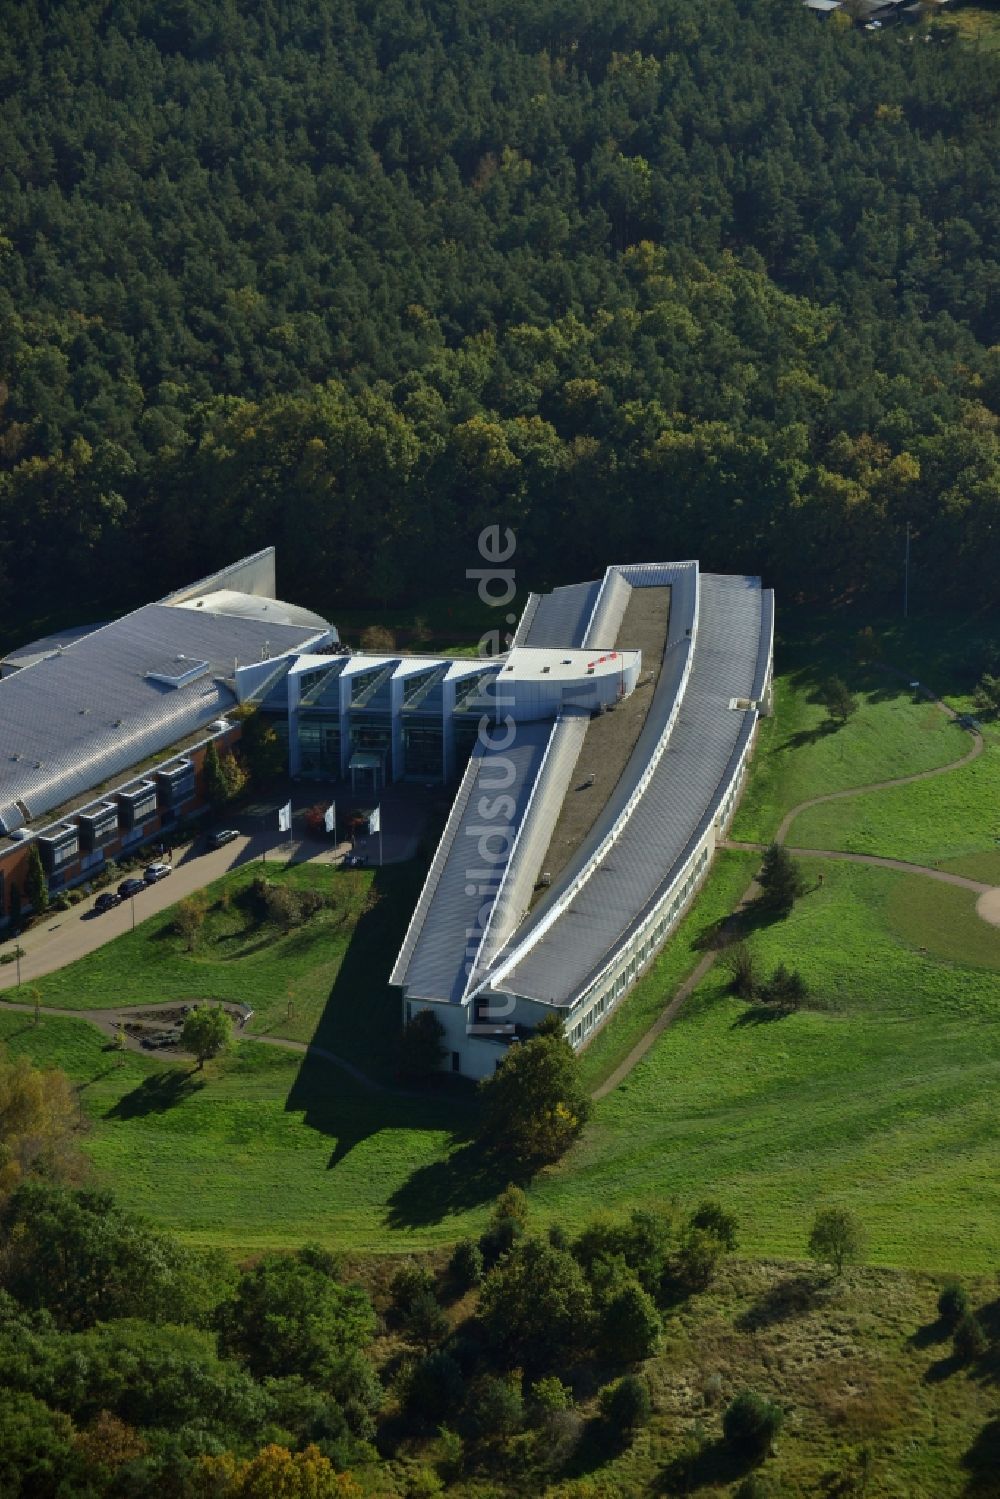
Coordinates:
(988, 905)
(107, 1020)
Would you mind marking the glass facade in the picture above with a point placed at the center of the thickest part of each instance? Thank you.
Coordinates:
(423, 749)
(319, 747)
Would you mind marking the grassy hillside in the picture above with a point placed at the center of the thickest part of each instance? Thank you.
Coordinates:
(878, 1094)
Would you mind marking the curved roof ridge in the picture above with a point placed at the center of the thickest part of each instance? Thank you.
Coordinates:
(678, 658)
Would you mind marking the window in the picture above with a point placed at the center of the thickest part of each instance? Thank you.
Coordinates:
(456, 1062)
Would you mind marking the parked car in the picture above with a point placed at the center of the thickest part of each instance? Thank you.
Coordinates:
(130, 887)
(156, 872)
(354, 861)
(222, 837)
(106, 901)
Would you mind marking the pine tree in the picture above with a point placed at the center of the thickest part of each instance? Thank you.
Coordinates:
(780, 880)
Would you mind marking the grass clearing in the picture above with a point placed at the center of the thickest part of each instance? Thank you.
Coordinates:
(929, 822)
(879, 1098)
(879, 1101)
(719, 896)
(975, 24)
(800, 754)
(323, 980)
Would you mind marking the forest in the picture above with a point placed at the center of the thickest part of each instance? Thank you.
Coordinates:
(713, 280)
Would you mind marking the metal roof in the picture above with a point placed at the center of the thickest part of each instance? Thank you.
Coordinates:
(462, 885)
(560, 618)
(555, 955)
(90, 712)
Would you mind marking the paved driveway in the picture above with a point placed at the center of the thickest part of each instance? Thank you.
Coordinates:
(64, 936)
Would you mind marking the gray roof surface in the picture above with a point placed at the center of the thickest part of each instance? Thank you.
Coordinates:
(78, 718)
(433, 962)
(37, 650)
(673, 812)
(534, 834)
(609, 611)
(561, 617)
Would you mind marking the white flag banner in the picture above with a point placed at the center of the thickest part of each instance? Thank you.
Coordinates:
(330, 818)
(375, 821)
(285, 818)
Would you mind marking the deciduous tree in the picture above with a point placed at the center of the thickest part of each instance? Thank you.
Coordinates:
(207, 1032)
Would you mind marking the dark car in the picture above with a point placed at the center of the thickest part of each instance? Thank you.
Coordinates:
(222, 837)
(107, 901)
(354, 861)
(130, 887)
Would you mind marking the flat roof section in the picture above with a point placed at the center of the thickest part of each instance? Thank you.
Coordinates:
(611, 737)
(673, 812)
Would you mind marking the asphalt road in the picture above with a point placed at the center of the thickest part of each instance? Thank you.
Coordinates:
(64, 936)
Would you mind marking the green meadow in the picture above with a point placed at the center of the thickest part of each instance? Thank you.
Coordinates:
(877, 1094)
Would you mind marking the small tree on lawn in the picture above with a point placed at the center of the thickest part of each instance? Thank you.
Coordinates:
(36, 886)
(742, 965)
(189, 918)
(207, 1032)
(786, 988)
(535, 1104)
(780, 880)
(421, 1046)
(836, 1238)
(838, 700)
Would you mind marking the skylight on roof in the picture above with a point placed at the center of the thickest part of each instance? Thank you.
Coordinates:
(177, 672)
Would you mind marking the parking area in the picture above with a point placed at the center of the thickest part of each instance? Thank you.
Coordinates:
(63, 936)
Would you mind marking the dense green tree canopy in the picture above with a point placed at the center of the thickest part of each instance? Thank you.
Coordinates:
(290, 1315)
(704, 279)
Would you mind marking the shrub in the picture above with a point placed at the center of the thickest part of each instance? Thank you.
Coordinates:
(629, 1326)
(424, 1322)
(550, 1394)
(754, 1486)
(421, 1046)
(410, 1281)
(434, 1387)
(450, 1454)
(284, 905)
(953, 1303)
(465, 1268)
(625, 1405)
(713, 1217)
(742, 967)
(495, 1409)
(786, 988)
(751, 1424)
(968, 1340)
(697, 1260)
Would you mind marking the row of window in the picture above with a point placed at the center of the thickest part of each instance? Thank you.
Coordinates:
(649, 943)
(123, 817)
